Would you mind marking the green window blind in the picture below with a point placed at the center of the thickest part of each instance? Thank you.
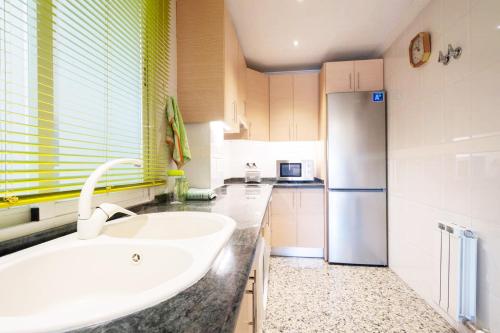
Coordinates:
(81, 82)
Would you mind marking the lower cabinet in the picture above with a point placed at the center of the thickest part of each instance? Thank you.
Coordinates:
(252, 308)
(297, 219)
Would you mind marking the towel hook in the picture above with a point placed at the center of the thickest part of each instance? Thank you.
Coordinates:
(454, 52)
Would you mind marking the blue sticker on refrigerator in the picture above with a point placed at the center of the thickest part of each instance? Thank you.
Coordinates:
(378, 97)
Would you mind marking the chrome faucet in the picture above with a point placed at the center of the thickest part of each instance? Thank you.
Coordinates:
(90, 224)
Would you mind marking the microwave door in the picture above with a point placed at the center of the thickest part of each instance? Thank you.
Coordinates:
(291, 170)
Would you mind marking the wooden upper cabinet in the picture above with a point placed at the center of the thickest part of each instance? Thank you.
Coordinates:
(369, 75)
(200, 59)
(231, 49)
(359, 75)
(294, 107)
(339, 76)
(257, 105)
(306, 106)
(207, 63)
(280, 107)
(241, 84)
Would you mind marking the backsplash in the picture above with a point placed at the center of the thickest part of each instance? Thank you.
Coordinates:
(444, 145)
(264, 154)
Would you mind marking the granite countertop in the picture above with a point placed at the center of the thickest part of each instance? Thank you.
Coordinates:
(211, 304)
(316, 183)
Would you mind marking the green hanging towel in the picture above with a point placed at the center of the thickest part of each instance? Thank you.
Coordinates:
(176, 134)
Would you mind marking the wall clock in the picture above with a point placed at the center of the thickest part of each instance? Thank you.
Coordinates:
(420, 49)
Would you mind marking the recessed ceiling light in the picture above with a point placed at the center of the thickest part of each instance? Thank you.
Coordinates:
(498, 27)
(295, 43)
(300, 0)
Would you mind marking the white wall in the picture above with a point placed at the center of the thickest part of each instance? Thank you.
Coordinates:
(444, 145)
(238, 152)
(206, 142)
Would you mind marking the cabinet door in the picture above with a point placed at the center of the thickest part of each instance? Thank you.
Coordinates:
(283, 202)
(231, 75)
(258, 290)
(244, 323)
(266, 229)
(200, 63)
(257, 105)
(339, 76)
(283, 222)
(310, 218)
(306, 106)
(280, 107)
(369, 75)
(241, 83)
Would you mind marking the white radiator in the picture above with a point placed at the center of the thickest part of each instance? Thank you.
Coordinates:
(457, 271)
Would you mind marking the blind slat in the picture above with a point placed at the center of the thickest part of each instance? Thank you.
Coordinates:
(81, 82)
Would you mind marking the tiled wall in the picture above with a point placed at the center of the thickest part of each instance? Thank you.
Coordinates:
(238, 152)
(206, 142)
(444, 145)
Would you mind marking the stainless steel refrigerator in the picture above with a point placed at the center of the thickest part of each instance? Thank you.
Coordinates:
(357, 178)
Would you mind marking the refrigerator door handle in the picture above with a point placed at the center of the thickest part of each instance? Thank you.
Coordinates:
(357, 190)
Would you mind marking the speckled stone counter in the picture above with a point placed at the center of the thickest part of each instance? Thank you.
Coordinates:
(210, 305)
(316, 183)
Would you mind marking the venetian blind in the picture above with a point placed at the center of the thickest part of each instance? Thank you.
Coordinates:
(81, 82)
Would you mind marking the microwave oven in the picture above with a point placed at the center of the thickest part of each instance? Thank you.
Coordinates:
(295, 170)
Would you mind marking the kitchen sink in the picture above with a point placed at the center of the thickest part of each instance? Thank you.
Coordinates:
(135, 263)
(167, 226)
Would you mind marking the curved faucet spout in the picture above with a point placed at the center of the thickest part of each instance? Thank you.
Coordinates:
(85, 202)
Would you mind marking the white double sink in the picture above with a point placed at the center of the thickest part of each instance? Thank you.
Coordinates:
(135, 263)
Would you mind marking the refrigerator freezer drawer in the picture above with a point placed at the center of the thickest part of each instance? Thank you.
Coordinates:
(357, 227)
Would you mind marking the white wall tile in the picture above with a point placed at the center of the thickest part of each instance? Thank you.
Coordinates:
(265, 154)
(444, 146)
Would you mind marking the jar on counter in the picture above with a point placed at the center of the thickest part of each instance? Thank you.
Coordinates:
(177, 185)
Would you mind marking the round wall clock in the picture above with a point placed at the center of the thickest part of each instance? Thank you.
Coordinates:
(420, 49)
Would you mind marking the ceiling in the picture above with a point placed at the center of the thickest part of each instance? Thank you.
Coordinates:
(326, 30)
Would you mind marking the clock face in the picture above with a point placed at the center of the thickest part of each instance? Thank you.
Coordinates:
(420, 49)
(417, 50)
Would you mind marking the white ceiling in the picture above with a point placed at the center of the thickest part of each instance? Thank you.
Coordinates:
(326, 30)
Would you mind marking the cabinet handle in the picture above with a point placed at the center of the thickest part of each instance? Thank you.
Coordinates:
(289, 131)
(358, 80)
(254, 309)
(293, 199)
(300, 199)
(296, 131)
(350, 81)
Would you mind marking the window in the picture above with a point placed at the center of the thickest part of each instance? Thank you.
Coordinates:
(81, 82)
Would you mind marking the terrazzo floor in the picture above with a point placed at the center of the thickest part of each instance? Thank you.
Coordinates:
(308, 295)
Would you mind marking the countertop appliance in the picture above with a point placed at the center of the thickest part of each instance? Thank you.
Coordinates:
(357, 178)
(252, 173)
(295, 170)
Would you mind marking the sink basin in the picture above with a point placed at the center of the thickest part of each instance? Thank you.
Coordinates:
(137, 262)
(167, 226)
